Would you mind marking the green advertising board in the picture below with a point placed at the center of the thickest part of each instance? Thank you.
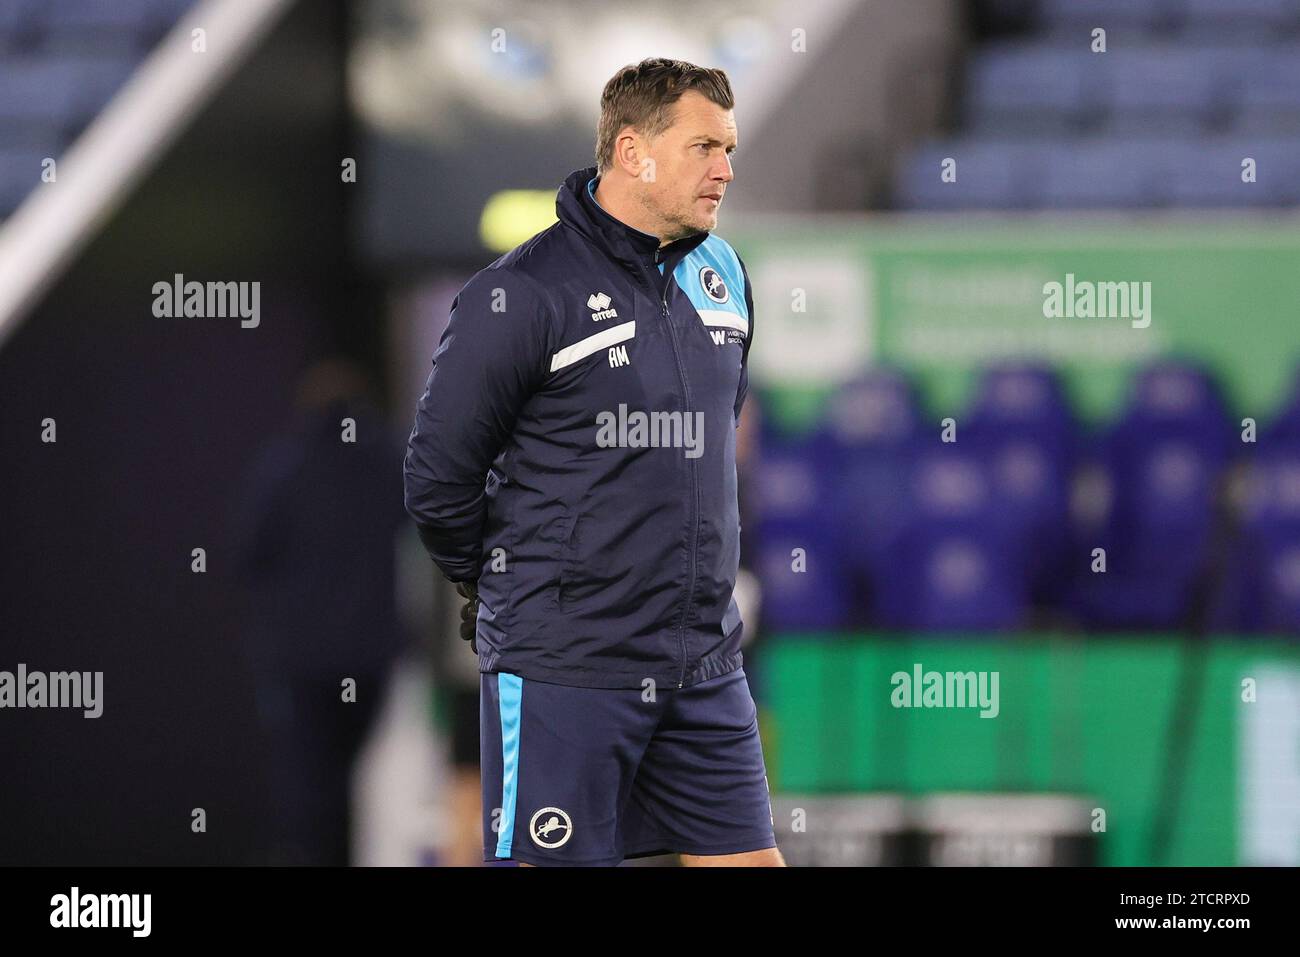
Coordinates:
(1097, 717)
(942, 298)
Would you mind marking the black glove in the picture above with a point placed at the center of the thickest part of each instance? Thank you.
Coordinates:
(469, 612)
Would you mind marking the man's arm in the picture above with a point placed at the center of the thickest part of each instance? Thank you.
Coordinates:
(490, 359)
(743, 388)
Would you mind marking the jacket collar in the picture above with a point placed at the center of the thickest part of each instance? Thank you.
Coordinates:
(576, 207)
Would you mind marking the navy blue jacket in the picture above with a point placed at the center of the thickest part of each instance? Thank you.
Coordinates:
(605, 553)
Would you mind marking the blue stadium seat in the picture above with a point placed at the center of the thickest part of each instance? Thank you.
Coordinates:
(1105, 173)
(17, 31)
(1278, 594)
(1261, 587)
(20, 173)
(1208, 173)
(1267, 96)
(959, 564)
(1021, 424)
(1283, 426)
(1176, 394)
(869, 436)
(805, 582)
(1077, 18)
(88, 26)
(1241, 19)
(36, 90)
(58, 92)
(99, 80)
(164, 14)
(1024, 396)
(1018, 402)
(95, 15)
(990, 174)
(1163, 459)
(1272, 500)
(1033, 89)
(1166, 89)
(877, 408)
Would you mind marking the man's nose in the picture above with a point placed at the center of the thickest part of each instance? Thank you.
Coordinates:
(723, 171)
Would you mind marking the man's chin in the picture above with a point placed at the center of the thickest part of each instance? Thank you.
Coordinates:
(703, 224)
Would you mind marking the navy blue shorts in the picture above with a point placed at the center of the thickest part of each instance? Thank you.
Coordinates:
(590, 776)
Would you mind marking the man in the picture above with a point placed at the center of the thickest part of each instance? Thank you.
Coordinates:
(322, 603)
(572, 464)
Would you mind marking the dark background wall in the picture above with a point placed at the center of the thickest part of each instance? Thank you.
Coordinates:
(157, 421)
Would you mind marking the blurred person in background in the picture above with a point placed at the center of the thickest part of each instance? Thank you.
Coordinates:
(456, 681)
(749, 589)
(320, 512)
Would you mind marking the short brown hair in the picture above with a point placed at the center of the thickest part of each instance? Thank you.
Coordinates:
(642, 96)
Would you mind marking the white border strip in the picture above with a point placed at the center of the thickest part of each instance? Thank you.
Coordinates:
(728, 320)
(585, 347)
(121, 145)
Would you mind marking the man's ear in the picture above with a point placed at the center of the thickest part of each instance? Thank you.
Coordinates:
(627, 148)
(631, 151)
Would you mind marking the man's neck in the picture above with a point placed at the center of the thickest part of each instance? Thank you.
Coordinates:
(623, 208)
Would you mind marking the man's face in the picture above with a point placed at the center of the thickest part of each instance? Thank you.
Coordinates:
(692, 167)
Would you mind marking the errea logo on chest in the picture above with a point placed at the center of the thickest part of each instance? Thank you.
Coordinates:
(600, 303)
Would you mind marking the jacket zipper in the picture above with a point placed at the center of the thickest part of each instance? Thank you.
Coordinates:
(695, 490)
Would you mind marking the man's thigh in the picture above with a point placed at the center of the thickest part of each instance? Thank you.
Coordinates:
(768, 857)
(557, 768)
(701, 788)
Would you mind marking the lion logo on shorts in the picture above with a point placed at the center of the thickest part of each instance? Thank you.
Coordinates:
(550, 828)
